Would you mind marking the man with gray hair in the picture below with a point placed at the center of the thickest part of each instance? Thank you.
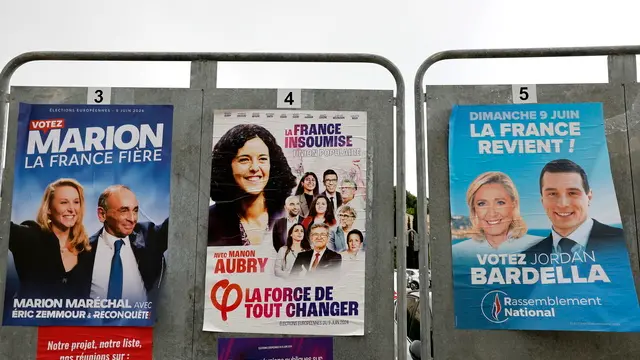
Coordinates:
(338, 238)
(127, 256)
(320, 259)
(281, 226)
(350, 196)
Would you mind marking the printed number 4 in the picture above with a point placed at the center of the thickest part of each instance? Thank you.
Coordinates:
(99, 97)
(289, 98)
(524, 93)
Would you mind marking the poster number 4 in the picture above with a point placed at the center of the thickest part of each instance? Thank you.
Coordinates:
(524, 94)
(99, 96)
(289, 98)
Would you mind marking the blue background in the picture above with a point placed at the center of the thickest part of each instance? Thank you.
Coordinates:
(590, 152)
(150, 181)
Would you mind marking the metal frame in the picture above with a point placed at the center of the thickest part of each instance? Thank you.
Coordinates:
(421, 119)
(16, 62)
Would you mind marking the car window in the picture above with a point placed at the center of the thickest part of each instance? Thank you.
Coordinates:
(413, 328)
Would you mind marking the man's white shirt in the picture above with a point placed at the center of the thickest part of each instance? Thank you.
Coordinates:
(579, 235)
(313, 257)
(132, 284)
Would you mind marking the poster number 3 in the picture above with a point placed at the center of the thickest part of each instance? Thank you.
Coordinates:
(99, 96)
(289, 98)
(524, 94)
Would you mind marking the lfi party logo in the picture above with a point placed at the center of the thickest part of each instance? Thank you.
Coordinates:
(224, 306)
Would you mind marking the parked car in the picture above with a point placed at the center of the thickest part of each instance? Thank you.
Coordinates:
(413, 324)
(413, 279)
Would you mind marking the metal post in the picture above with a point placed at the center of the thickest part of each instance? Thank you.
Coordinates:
(15, 63)
(421, 119)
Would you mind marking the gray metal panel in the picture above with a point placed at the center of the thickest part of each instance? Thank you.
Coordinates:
(622, 69)
(173, 334)
(632, 104)
(377, 343)
(19, 342)
(458, 344)
(204, 74)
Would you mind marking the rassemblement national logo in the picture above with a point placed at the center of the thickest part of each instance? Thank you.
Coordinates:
(492, 306)
(497, 306)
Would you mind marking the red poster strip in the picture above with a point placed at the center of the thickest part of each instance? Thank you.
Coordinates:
(95, 343)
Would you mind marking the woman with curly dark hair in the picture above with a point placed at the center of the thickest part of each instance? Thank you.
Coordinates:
(250, 180)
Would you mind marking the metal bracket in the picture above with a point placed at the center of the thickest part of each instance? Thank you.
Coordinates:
(16, 62)
(421, 119)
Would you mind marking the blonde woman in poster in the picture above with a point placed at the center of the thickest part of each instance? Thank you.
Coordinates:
(51, 254)
(250, 181)
(494, 212)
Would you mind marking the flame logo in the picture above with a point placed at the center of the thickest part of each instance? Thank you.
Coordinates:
(497, 307)
(492, 307)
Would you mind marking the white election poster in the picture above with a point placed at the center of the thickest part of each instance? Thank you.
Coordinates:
(286, 243)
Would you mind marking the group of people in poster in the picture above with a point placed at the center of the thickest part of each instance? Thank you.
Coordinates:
(83, 253)
(309, 219)
(537, 237)
(55, 256)
(288, 191)
(497, 225)
(259, 202)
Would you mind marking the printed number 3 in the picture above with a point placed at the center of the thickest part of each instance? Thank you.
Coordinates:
(99, 97)
(289, 98)
(524, 93)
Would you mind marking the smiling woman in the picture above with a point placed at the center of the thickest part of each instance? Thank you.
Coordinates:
(494, 212)
(51, 252)
(250, 180)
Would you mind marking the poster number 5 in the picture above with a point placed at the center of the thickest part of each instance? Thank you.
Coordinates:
(524, 94)
(99, 96)
(289, 98)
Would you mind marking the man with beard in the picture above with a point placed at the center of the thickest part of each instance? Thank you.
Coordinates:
(281, 226)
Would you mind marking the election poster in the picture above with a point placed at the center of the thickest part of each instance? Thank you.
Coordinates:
(94, 343)
(309, 348)
(89, 217)
(537, 238)
(286, 235)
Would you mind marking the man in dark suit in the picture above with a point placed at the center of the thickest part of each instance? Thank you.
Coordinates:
(320, 260)
(281, 226)
(127, 257)
(566, 197)
(330, 181)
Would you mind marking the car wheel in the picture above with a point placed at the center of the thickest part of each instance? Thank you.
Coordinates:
(413, 286)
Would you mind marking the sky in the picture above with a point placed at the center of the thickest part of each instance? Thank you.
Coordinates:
(404, 31)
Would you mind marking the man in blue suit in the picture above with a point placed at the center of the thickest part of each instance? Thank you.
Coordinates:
(127, 256)
(566, 197)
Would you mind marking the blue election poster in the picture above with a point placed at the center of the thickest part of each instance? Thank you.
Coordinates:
(537, 238)
(89, 215)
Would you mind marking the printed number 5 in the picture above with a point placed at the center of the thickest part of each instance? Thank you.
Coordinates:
(289, 98)
(99, 97)
(524, 93)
